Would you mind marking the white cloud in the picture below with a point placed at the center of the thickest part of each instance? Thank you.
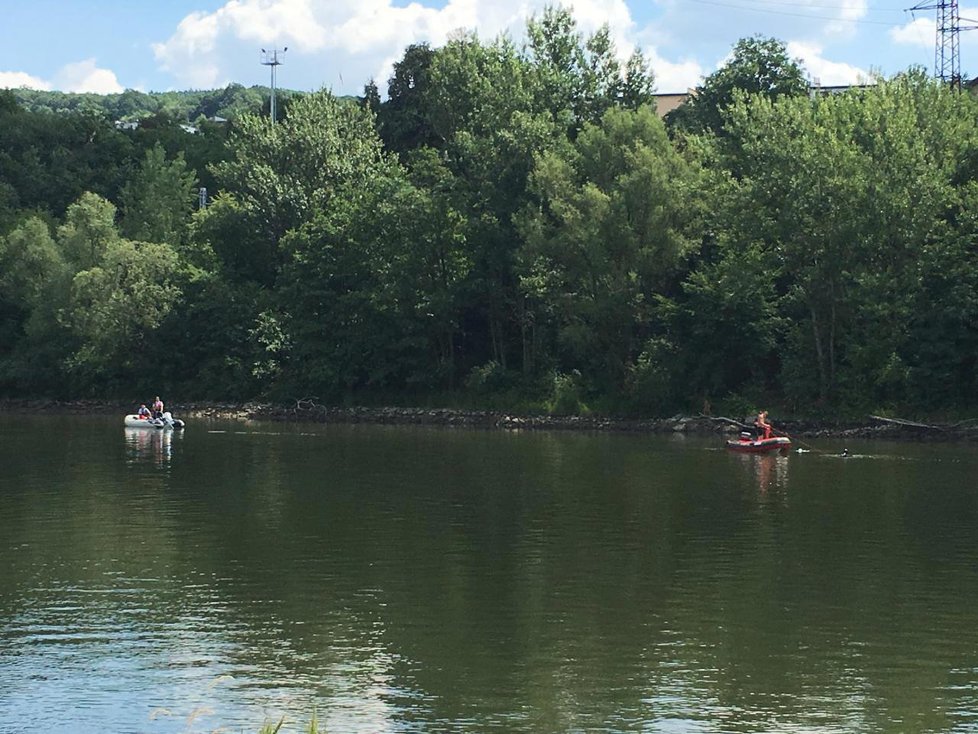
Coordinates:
(18, 79)
(85, 76)
(81, 76)
(828, 73)
(849, 13)
(918, 32)
(921, 32)
(674, 77)
(357, 39)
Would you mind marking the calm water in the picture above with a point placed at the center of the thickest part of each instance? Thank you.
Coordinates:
(416, 580)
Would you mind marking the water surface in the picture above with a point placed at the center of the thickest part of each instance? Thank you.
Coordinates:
(414, 580)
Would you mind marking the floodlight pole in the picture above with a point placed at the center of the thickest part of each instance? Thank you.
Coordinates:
(270, 58)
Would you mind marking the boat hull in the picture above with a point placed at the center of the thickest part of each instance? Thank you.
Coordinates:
(761, 445)
(134, 421)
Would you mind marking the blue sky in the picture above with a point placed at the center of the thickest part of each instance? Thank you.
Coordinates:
(111, 45)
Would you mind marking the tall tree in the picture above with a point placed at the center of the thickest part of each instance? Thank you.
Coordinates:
(580, 78)
(117, 304)
(282, 174)
(34, 285)
(88, 231)
(404, 119)
(371, 291)
(484, 106)
(848, 197)
(758, 66)
(158, 199)
(616, 214)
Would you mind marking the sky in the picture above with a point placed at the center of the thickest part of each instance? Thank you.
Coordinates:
(107, 46)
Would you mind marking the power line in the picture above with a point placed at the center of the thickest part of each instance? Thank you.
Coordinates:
(825, 6)
(795, 15)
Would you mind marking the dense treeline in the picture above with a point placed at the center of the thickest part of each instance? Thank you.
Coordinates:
(513, 227)
(154, 107)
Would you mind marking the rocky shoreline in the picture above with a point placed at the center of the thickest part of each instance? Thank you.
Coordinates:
(310, 412)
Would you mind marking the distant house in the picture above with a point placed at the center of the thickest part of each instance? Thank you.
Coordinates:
(816, 88)
(188, 128)
(666, 103)
(127, 124)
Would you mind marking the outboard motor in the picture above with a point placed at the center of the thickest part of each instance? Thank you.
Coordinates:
(170, 422)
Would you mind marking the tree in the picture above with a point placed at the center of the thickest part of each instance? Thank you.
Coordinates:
(116, 304)
(852, 202)
(580, 79)
(158, 198)
(372, 288)
(31, 265)
(616, 214)
(33, 287)
(759, 66)
(404, 120)
(48, 160)
(88, 231)
(484, 105)
(281, 175)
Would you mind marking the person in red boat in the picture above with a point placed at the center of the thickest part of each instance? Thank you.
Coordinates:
(764, 429)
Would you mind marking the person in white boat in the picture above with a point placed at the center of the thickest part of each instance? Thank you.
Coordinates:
(157, 407)
(143, 412)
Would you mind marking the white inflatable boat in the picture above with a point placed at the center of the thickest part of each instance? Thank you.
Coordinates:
(167, 421)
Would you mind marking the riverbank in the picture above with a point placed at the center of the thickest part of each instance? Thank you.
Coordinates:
(310, 412)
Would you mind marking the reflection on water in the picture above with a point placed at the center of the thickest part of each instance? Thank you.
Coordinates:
(151, 445)
(770, 471)
(404, 580)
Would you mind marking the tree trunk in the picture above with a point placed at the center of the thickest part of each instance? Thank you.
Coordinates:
(823, 378)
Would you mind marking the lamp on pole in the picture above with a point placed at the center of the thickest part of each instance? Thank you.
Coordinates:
(270, 58)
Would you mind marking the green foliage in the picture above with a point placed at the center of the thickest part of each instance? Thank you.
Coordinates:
(158, 199)
(653, 383)
(614, 220)
(578, 79)
(511, 226)
(373, 287)
(230, 103)
(116, 304)
(565, 398)
(487, 379)
(273, 728)
(404, 119)
(230, 229)
(30, 264)
(47, 161)
(758, 66)
(282, 175)
(207, 344)
(88, 231)
(33, 285)
(845, 197)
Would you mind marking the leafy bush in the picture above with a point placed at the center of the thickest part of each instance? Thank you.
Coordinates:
(566, 396)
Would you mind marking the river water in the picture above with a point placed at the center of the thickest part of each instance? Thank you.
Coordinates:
(397, 579)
